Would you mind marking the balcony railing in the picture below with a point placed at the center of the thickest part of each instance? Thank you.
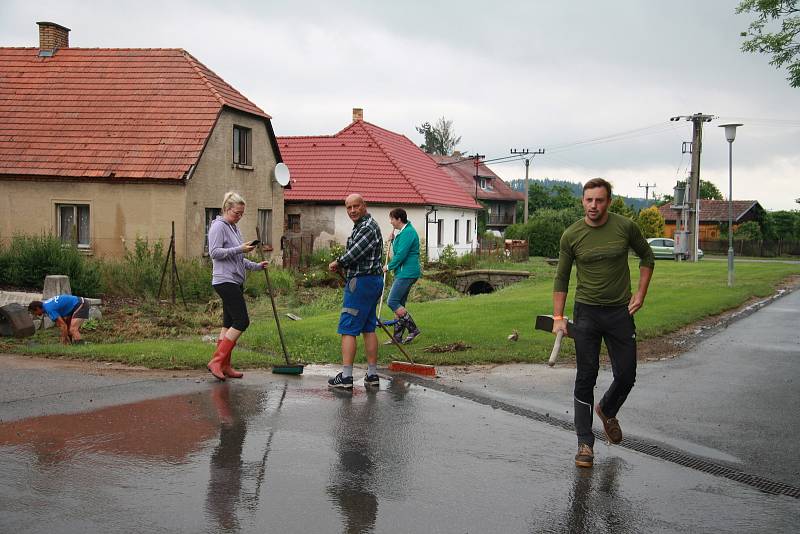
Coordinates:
(499, 219)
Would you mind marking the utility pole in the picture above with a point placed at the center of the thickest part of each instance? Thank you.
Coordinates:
(477, 159)
(647, 190)
(694, 203)
(527, 155)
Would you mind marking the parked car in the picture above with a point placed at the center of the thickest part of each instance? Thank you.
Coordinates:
(664, 248)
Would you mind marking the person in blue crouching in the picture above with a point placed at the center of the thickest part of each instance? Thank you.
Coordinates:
(68, 313)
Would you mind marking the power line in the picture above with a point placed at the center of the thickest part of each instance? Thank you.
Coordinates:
(652, 129)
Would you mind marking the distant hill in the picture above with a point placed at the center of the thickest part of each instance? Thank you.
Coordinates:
(577, 190)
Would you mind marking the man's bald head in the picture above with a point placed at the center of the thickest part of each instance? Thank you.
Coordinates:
(356, 206)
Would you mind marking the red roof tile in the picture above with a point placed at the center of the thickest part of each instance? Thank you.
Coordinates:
(463, 170)
(363, 158)
(716, 210)
(108, 113)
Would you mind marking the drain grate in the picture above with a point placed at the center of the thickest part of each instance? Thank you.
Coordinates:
(765, 485)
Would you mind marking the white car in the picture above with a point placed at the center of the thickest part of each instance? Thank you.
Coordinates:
(664, 248)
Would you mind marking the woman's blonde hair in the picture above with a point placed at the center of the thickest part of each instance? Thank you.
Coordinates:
(232, 198)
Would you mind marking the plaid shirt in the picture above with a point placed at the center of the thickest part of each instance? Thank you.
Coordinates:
(364, 248)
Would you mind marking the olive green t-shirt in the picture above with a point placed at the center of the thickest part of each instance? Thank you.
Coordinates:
(600, 254)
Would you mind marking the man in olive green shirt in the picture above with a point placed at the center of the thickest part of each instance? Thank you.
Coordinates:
(598, 245)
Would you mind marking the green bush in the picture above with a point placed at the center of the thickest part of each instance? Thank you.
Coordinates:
(138, 273)
(448, 257)
(282, 282)
(27, 260)
(323, 256)
(543, 230)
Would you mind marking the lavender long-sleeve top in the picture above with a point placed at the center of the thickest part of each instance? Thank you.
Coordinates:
(225, 249)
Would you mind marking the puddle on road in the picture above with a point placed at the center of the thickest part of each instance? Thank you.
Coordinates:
(294, 456)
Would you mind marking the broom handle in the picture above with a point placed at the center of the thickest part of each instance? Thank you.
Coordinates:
(380, 304)
(383, 326)
(272, 300)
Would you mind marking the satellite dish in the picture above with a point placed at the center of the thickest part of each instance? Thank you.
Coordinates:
(282, 174)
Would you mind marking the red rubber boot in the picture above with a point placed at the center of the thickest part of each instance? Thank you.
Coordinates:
(217, 361)
(227, 370)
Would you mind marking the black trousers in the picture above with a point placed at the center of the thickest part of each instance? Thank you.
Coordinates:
(234, 309)
(615, 326)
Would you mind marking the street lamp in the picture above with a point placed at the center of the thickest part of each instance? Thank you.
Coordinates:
(730, 135)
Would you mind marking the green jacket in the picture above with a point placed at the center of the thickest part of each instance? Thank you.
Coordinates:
(405, 260)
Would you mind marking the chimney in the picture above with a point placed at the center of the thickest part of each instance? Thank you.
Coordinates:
(358, 114)
(52, 36)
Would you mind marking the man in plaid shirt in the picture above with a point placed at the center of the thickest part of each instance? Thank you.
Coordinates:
(364, 285)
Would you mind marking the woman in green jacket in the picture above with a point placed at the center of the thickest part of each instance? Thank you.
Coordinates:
(405, 266)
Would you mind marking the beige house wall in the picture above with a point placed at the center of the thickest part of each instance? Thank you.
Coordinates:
(118, 213)
(216, 174)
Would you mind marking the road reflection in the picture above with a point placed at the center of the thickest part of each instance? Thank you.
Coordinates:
(167, 429)
(595, 503)
(371, 438)
(226, 495)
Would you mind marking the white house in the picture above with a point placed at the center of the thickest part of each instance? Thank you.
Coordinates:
(389, 171)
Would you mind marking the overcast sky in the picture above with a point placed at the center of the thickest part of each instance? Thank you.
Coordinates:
(527, 74)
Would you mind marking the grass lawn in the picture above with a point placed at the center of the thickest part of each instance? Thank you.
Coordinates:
(680, 293)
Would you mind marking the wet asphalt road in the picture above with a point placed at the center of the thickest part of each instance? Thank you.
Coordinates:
(103, 451)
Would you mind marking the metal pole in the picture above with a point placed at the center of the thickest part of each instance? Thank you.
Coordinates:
(730, 213)
(525, 213)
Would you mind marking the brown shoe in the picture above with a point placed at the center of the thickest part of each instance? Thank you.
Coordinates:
(610, 425)
(585, 456)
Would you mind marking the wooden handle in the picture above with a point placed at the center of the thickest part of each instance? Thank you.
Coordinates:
(556, 348)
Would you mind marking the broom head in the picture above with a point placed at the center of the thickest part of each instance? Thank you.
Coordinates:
(296, 369)
(413, 368)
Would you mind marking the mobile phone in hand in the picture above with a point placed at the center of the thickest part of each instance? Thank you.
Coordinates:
(254, 242)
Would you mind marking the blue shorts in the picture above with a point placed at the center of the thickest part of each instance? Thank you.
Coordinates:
(361, 295)
(399, 292)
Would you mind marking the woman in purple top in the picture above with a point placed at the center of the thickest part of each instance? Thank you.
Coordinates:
(227, 250)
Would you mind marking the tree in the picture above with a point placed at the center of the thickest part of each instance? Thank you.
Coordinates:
(710, 191)
(543, 230)
(783, 45)
(651, 222)
(557, 196)
(618, 206)
(782, 225)
(749, 231)
(440, 139)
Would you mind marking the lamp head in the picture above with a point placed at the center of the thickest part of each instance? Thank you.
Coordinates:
(730, 131)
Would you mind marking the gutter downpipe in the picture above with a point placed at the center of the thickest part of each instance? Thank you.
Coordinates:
(427, 242)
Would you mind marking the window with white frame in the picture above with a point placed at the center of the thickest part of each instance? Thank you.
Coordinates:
(242, 146)
(455, 232)
(73, 224)
(469, 231)
(265, 227)
(211, 214)
(440, 232)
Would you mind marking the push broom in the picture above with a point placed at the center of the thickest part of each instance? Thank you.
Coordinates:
(289, 368)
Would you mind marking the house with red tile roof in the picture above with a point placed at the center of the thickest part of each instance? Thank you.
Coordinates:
(714, 216)
(497, 197)
(389, 171)
(102, 146)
